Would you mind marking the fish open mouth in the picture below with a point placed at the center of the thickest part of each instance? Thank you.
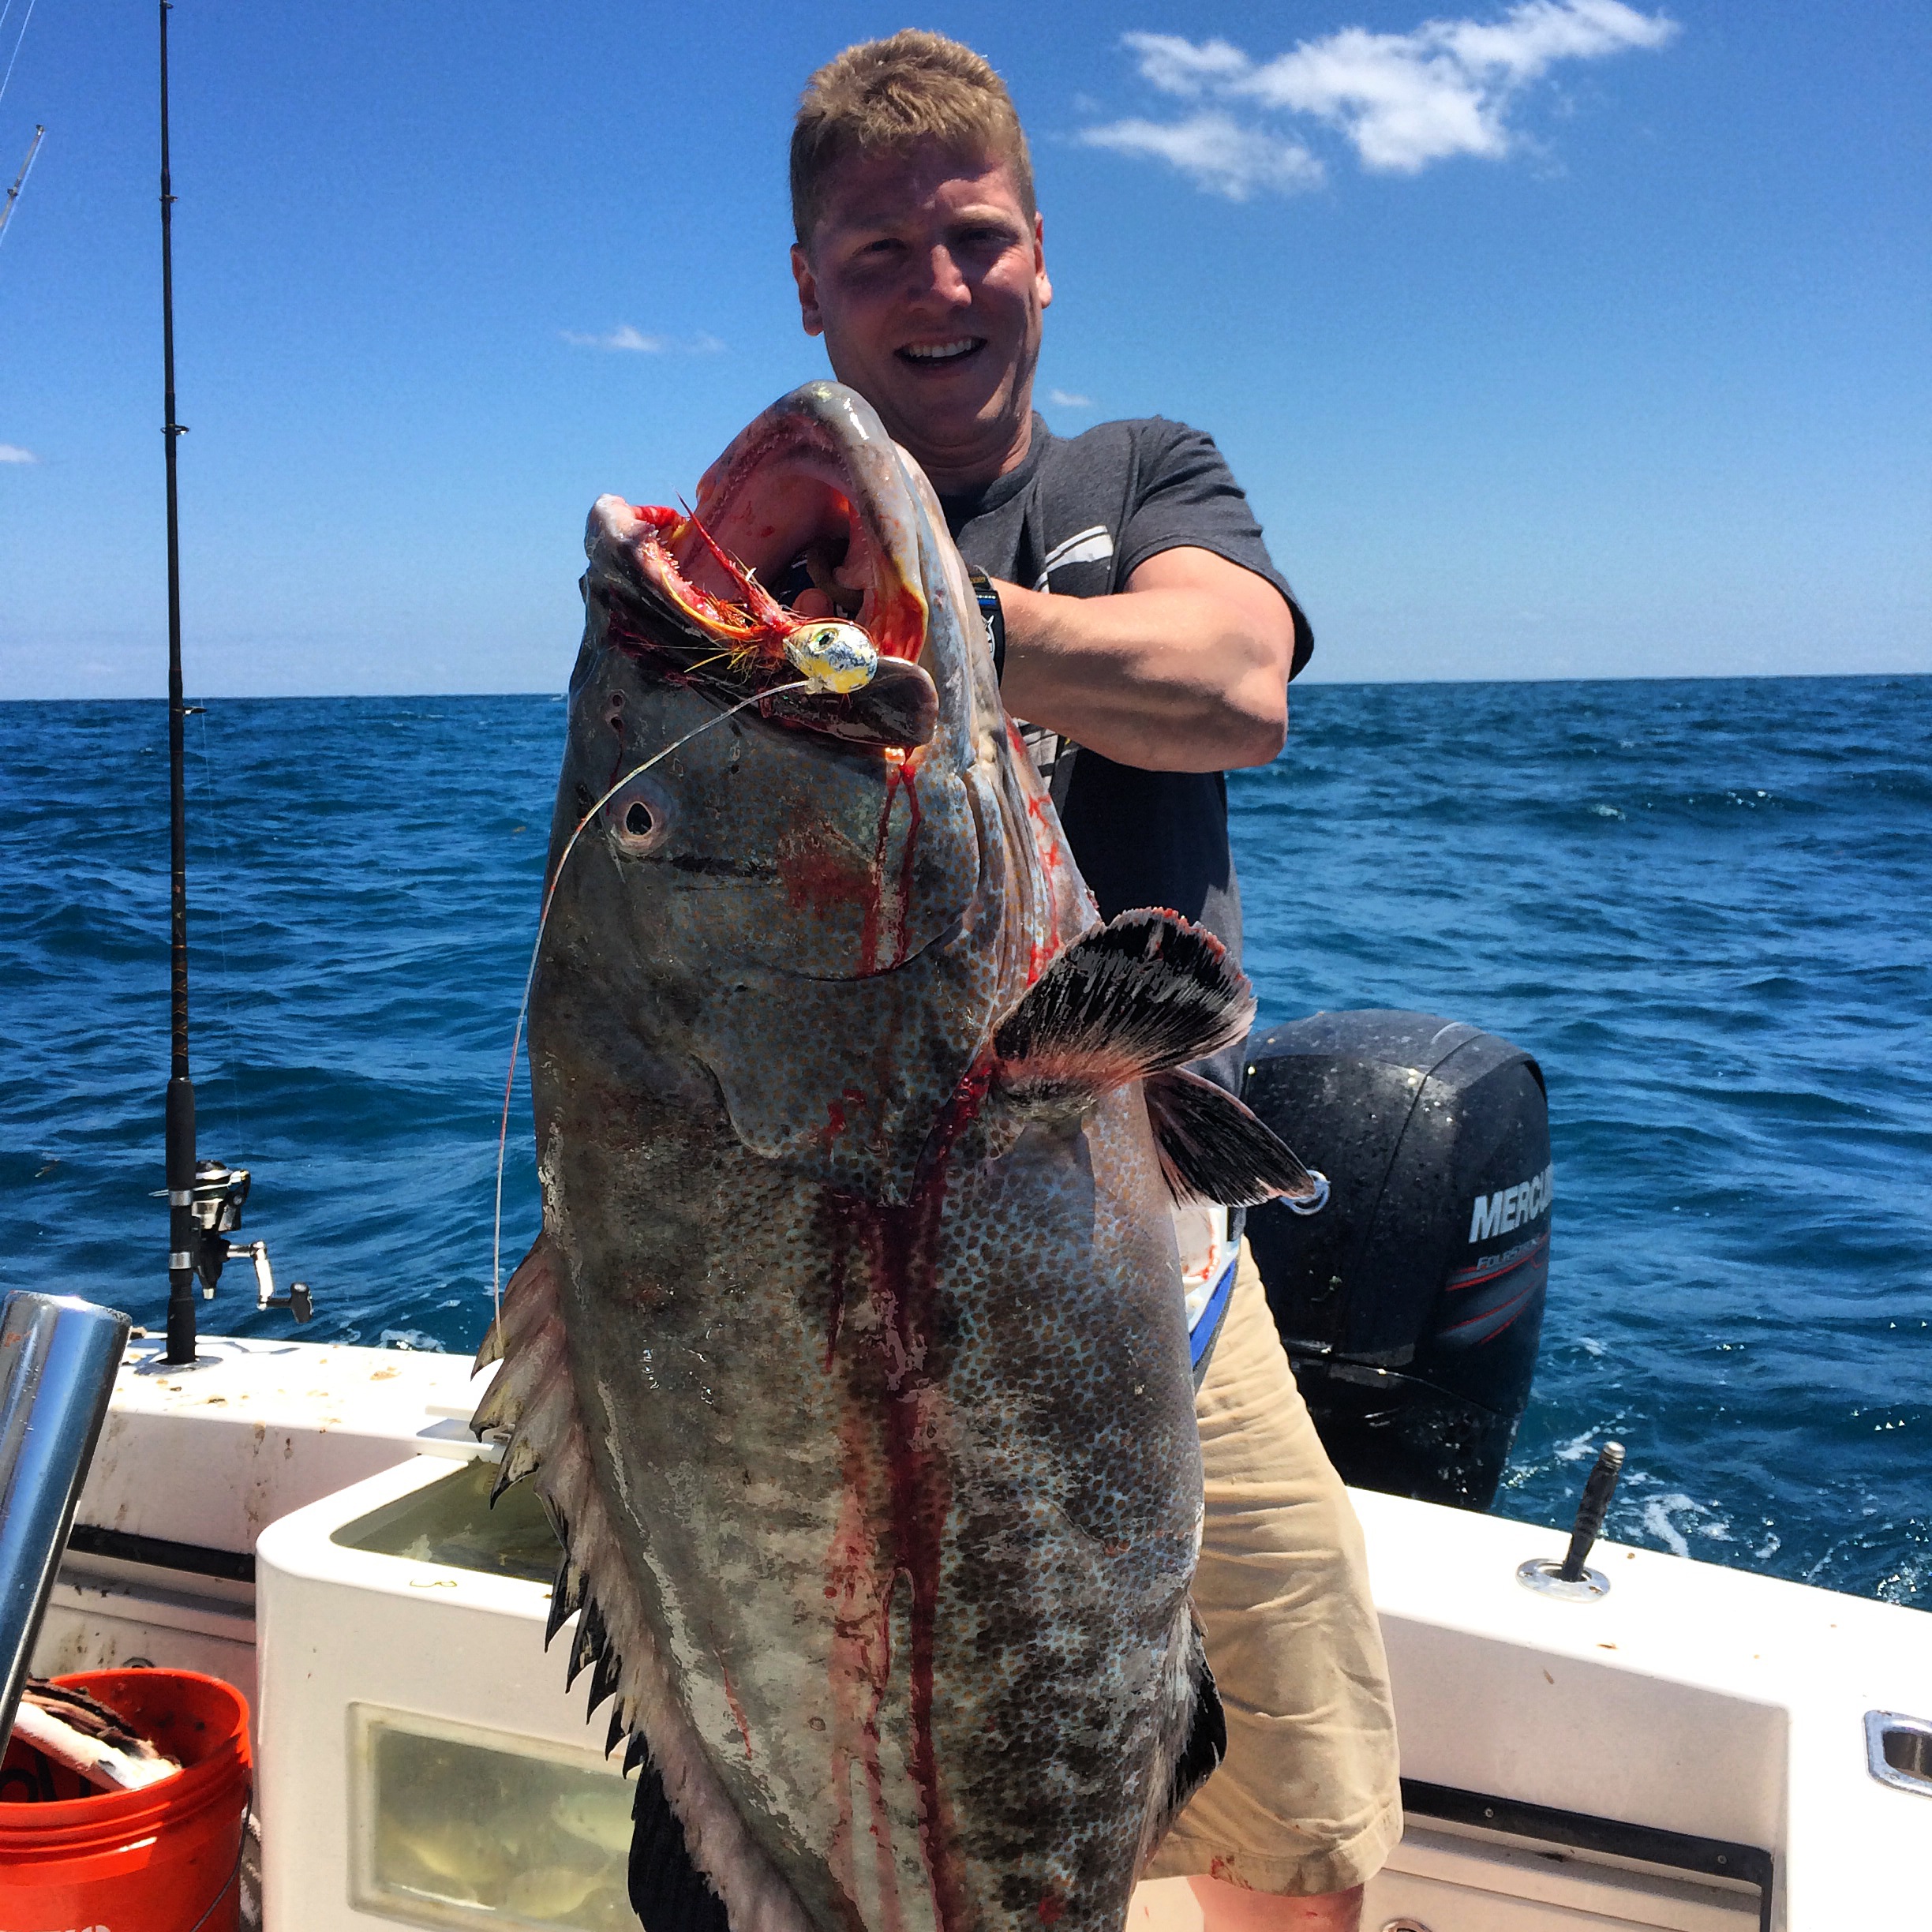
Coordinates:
(811, 499)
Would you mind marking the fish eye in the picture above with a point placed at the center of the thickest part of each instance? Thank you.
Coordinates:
(639, 818)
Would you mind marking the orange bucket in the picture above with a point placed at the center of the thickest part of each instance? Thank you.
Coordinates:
(165, 1860)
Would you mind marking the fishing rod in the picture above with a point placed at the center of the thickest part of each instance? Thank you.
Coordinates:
(20, 180)
(205, 1197)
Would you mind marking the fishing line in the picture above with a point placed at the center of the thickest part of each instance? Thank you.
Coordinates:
(207, 816)
(26, 22)
(530, 978)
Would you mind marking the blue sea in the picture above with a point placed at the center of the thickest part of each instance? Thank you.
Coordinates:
(1703, 905)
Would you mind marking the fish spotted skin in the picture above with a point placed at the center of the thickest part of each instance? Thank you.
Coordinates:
(861, 1394)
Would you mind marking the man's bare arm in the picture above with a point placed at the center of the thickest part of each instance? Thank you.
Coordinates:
(1186, 670)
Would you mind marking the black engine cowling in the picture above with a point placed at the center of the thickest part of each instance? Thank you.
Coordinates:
(1412, 1306)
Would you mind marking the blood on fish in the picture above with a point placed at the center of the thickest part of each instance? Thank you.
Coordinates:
(922, 1493)
(860, 1666)
(737, 1709)
(895, 1431)
(901, 775)
(836, 1218)
(836, 1120)
(818, 875)
(909, 778)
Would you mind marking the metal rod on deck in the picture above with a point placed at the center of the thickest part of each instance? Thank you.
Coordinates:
(58, 1360)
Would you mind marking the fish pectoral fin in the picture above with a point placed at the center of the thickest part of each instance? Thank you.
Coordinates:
(1147, 991)
(1196, 1740)
(1212, 1148)
(1207, 1739)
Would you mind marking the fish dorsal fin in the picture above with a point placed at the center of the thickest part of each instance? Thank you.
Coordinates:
(1213, 1148)
(1145, 992)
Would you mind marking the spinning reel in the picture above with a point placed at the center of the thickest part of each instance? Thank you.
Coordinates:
(220, 1193)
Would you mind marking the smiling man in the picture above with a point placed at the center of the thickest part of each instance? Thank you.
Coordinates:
(1148, 641)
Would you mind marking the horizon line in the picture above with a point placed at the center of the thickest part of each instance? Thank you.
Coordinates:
(1304, 684)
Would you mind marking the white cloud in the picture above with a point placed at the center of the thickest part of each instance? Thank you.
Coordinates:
(1402, 100)
(1065, 398)
(1215, 153)
(623, 337)
(12, 452)
(637, 343)
(1179, 66)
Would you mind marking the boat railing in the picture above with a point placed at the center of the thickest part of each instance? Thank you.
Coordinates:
(58, 1356)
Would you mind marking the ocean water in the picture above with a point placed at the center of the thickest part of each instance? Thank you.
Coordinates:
(1703, 905)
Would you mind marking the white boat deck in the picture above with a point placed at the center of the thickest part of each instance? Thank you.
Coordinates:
(1637, 1761)
(206, 1459)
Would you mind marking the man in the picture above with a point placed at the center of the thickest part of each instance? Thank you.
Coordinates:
(1145, 625)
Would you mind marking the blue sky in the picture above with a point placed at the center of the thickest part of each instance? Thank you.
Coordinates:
(1557, 339)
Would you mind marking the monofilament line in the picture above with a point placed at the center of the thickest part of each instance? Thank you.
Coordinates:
(530, 978)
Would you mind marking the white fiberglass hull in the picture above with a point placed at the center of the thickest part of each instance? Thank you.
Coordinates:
(1688, 1751)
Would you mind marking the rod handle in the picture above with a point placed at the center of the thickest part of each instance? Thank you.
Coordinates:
(1592, 1510)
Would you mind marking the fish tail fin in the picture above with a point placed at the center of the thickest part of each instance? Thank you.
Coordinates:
(1196, 1735)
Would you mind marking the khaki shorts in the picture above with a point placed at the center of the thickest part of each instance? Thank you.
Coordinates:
(1307, 1800)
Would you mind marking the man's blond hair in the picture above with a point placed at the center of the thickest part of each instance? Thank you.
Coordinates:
(881, 96)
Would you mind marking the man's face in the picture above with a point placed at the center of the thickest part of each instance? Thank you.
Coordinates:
(928, 282)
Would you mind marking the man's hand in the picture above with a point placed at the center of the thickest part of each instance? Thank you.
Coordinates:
(1185, 671)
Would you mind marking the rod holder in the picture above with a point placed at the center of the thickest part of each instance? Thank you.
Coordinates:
(1572, 1579)
(58, 1359)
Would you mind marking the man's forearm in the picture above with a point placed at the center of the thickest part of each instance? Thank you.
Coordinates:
(1168, 679)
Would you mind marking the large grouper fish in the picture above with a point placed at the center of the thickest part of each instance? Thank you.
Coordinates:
(851, 1361)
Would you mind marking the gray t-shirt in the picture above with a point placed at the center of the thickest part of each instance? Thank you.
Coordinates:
(1076, 519)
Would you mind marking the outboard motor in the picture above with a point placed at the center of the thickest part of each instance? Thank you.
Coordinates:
(1412, 1308)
